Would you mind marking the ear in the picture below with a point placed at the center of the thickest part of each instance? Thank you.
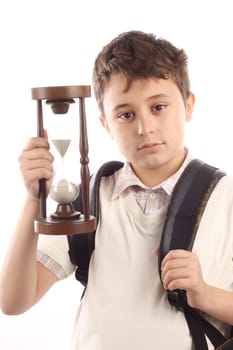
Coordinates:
(189, 106)
(104, 124)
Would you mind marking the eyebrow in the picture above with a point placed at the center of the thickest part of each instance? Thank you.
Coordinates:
(123, 105)
(126, 105)
(158, 96)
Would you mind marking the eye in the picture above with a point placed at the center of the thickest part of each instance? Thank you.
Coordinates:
(159, 107)
(125, 116)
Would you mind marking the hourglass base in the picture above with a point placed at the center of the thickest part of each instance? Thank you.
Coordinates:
(65, 211)
(50, 226)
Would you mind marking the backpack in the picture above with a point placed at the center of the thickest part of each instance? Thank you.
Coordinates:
(186, 207)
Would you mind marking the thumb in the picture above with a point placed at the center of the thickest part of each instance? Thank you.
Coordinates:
(157, 251)
(45, 134)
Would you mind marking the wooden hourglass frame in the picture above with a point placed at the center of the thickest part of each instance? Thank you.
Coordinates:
(59, 98)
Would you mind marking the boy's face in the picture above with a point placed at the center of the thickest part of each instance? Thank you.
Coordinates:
(147, 123)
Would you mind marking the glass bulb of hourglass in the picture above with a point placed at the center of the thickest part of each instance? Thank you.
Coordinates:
(62, 190)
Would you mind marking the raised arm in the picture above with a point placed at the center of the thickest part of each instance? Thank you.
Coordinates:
(23, 281)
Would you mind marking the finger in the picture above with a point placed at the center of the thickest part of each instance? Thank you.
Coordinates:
(32, 176)
(175, 264)
(33, 164)
(174, 274)
(157, 251)
(37, 142)
(39, 154)
(46, 134)
(175, 254)
(181, 283)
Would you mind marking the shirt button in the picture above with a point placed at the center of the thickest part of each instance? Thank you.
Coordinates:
(152, 195)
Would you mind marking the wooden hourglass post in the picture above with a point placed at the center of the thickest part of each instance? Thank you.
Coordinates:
(42, 183)
(66, 220)
(84, 160)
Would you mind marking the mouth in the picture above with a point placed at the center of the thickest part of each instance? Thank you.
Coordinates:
(149, 146)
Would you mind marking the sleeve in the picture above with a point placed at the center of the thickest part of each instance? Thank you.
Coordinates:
(52, 252)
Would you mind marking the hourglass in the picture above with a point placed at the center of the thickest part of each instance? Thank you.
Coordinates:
(66, 219)
(62, 190)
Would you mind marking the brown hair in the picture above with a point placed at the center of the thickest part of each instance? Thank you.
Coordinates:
(139, 55)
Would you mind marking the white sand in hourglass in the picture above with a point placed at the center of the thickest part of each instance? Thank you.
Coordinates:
(63, 191)
(61, 146)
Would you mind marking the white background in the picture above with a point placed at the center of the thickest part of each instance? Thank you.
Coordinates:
(55, 43)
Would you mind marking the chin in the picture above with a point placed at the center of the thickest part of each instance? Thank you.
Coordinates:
(150, 165)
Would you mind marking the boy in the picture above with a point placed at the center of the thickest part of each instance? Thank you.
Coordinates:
(142, 89)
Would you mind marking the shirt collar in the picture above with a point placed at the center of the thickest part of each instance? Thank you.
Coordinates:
(125, 178)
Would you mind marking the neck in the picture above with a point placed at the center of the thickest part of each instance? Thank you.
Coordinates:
(154, 176)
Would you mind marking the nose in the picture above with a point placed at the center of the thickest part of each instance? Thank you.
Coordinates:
(145, 125)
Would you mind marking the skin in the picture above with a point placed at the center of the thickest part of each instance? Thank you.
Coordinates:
(181, 270)
(20, 267)
(148, 124)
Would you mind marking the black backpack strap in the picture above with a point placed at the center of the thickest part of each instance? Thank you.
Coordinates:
(187, 205)
(200, 328)
(81, 245)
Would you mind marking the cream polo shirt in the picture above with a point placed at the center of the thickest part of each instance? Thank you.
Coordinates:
(52, 250)
(125, 306)
(148, 198)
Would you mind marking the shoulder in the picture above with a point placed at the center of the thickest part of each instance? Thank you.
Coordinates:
(108, 183)
(224, 188)
(220, 202)
(113, 185)
(53, 254)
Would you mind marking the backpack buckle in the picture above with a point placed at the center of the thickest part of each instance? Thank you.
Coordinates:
(82, 276)
(177, 298)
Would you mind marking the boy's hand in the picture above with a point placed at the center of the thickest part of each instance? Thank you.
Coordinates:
(36, 162)
(181, 270)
